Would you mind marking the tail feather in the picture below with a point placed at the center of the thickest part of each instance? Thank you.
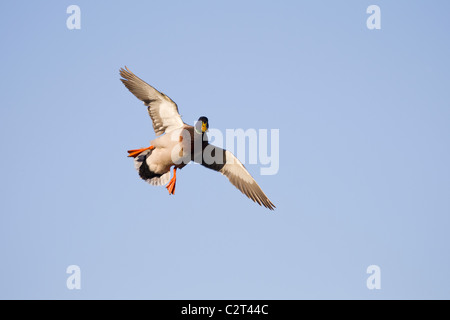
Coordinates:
(141, 165)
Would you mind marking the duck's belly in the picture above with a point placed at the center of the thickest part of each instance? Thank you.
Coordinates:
(172, 148)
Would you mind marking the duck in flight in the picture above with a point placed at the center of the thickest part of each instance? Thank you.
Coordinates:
(178, 143)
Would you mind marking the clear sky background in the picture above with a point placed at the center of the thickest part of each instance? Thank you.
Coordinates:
(364, 179)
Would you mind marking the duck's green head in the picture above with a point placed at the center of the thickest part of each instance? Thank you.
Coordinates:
(202, 125)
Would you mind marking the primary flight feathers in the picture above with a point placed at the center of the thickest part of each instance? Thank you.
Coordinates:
(162, 110)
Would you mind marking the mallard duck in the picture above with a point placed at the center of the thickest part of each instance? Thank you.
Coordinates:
(178, 143)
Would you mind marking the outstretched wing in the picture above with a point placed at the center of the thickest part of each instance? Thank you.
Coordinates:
(227, 164)
(162, 110)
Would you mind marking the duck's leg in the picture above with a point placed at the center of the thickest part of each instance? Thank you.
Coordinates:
(136, 152)
(171, 185)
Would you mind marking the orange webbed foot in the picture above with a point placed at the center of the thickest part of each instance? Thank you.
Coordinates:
(134, 153)
(171, 185)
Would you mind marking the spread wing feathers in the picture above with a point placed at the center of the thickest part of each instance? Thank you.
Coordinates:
(162, 110)
(228, 165)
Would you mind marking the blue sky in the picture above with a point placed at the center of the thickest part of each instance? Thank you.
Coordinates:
(364, 173)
